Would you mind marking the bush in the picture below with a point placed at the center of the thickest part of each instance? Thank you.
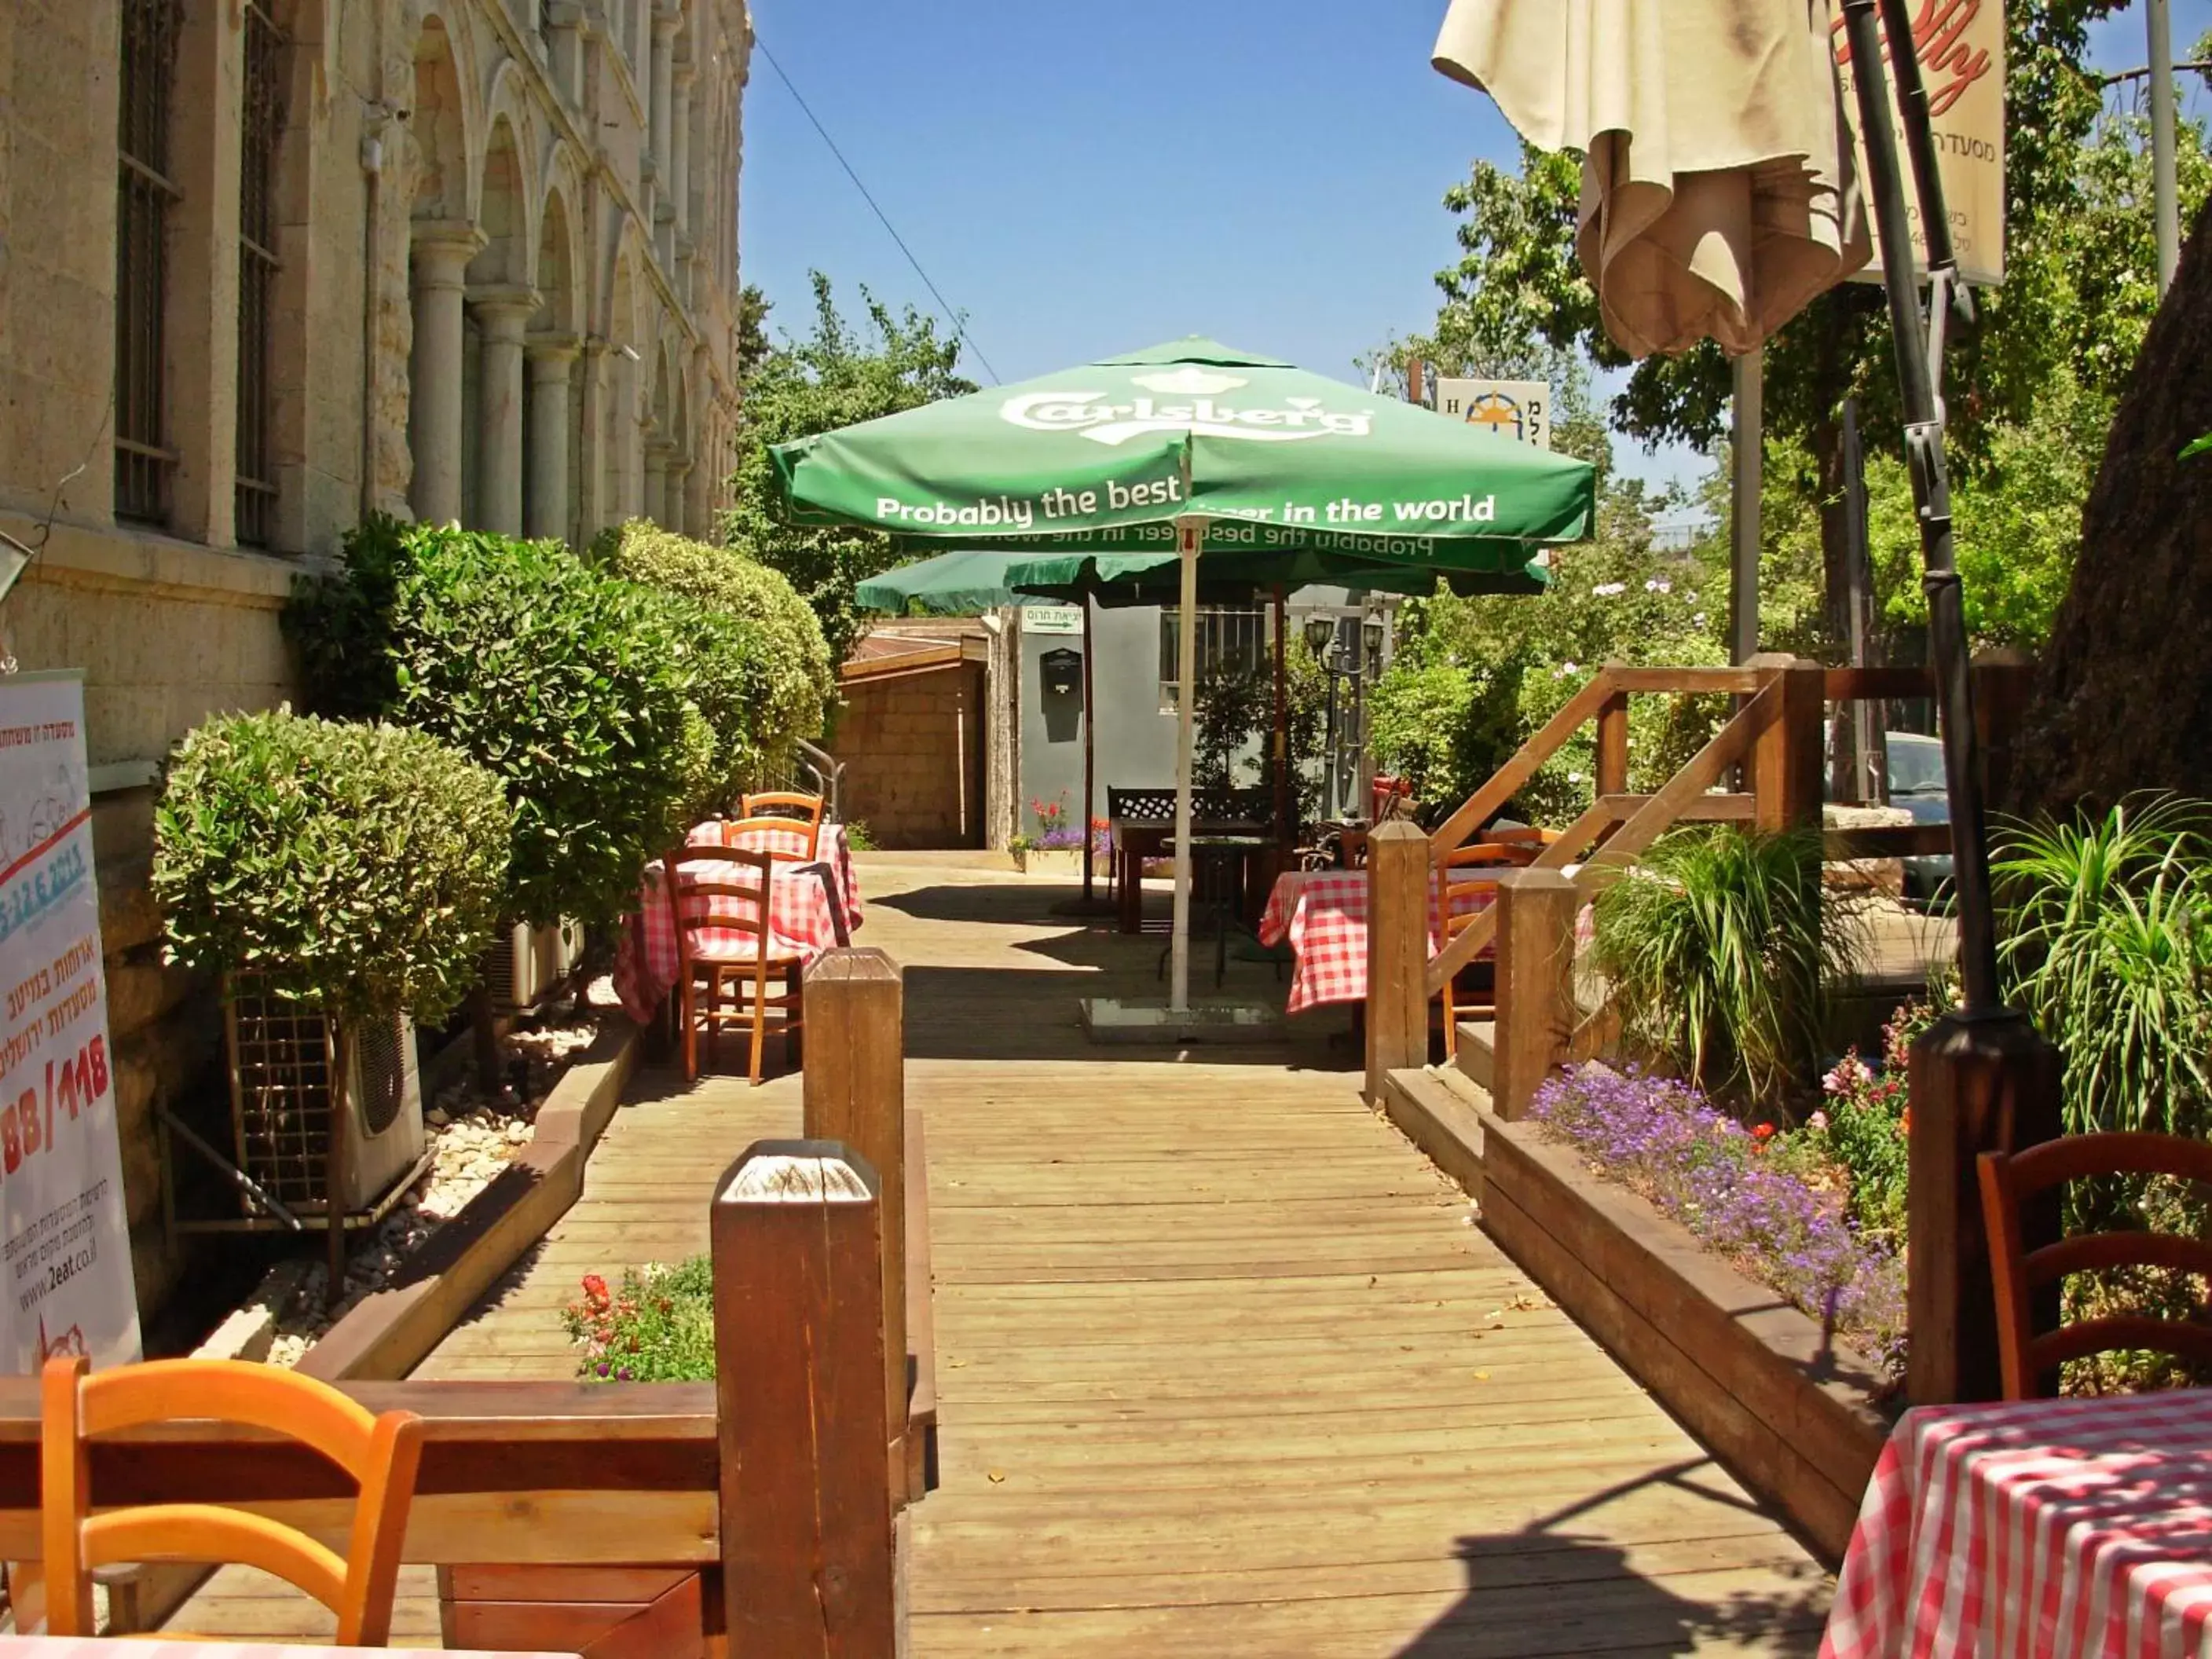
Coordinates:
(658, 1327)
(1721, 950)
(794, 679)
(1730, 1187)
(358, 867)
(1862, 1126)
(546, 672)
(715, 658)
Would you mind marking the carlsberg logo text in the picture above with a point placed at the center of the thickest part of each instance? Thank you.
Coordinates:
(1104, 422)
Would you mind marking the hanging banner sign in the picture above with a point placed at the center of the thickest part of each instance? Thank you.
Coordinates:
(65, 1280)
(1511, 409)
(1962, 47)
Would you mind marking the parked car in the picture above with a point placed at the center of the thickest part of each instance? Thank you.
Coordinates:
(1916, 783)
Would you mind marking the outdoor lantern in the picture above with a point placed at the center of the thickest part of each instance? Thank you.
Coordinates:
(1062, 672)
(1371, 631)
(1319, 631)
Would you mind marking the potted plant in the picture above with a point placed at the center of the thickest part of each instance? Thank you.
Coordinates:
(343, 879)
(1056, 849)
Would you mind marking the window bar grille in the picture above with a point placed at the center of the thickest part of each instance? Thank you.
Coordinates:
(262, 120)
(143, 460)
(1230, 639)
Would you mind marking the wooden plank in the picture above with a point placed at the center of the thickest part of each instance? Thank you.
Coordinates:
(806, 1533)
(853, 1092)
(1872, 684)
(1488, 801)
(1612, 739)
(1705, 809)
(1789, 759)
(1901, 840)
(1679, 681)
(1536, 1008)
(1398, 889)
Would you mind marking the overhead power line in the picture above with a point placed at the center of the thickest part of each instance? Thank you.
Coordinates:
(959, 329)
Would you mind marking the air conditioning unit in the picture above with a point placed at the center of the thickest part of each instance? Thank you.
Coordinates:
(283, 1058)
(526, 964)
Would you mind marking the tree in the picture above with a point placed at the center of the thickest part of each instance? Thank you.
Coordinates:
(834, 377)
(1519, 288)
(2124, 698)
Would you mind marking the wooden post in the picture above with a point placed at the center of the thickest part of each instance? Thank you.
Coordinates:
(855, 1091)
(1398, 890)
(1613, 745)
(808, 1568)
(2002, 680)
(1788, 758)
(1536, 1009)
(1976, 1085)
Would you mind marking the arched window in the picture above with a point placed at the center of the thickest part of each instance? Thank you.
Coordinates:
(261, 120)
(144, 195)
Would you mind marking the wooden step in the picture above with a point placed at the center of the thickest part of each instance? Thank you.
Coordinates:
(1478, 1041)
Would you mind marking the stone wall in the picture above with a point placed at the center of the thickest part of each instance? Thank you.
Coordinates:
(911, 744)
(587, 148)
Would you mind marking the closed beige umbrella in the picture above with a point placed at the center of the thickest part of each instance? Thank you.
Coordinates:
(1718, 189)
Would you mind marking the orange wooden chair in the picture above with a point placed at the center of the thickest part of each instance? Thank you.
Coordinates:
(379, 1453)
(718, 898)
(782, 804)
(795, 841)
(2009, 1180)
(1455, 893)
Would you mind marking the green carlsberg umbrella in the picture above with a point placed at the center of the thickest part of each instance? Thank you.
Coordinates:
(1193, 448)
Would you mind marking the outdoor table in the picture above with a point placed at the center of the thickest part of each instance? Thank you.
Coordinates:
(1323, 913)
(1135, 839)
(2049, 1528)
(812, 908)
(102, 1647)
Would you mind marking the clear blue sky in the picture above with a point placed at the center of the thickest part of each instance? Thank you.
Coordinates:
(1082, 180)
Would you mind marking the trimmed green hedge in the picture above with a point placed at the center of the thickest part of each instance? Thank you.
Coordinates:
(359, 867)
(796, 679)
(563, 683)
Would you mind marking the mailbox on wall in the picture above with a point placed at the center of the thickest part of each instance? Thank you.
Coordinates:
(1062, 672)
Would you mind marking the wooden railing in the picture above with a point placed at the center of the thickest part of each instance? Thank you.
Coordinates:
(754, 1515)
(1974, 1085)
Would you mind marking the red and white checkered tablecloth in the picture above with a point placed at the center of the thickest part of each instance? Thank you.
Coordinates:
(812, 908)
(2041, 1530)
(1323, 913)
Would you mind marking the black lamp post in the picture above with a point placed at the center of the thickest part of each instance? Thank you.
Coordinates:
(1352, 657)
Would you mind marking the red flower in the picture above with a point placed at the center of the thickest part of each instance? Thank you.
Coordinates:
(1905, 1120)
(595, 1288)
(1763, 1132)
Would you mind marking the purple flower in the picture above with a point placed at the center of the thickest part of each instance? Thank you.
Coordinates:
(1664, 1140)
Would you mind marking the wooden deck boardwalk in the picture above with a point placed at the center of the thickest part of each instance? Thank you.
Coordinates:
(1223, 1367)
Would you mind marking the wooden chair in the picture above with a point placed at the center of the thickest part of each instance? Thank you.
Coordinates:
(792, 841)
(379, 1453)
(782, 804)
(2010, 1180)
(718, 897)
(1451, 890)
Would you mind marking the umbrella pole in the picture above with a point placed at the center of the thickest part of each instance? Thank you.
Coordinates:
(1190, 537)
(1282, 719)
(1924, 437)
(1089, 752)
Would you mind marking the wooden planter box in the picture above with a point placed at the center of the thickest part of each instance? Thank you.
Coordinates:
(1790, 1409)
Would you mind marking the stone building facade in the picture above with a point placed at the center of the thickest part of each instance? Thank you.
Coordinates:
(266, 265)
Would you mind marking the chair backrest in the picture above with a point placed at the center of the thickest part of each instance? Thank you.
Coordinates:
(379, 1453)
(781, 804)
(2010, 1180)
(1454, 886)
(720, 889)
(1252, 803)
(792, 840)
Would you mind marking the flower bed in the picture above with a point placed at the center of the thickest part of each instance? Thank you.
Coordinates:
(658, 1325)
(1736, 1191)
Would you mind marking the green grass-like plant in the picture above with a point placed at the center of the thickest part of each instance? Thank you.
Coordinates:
(2108, 940)
(357, 868)
(1721, 950)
